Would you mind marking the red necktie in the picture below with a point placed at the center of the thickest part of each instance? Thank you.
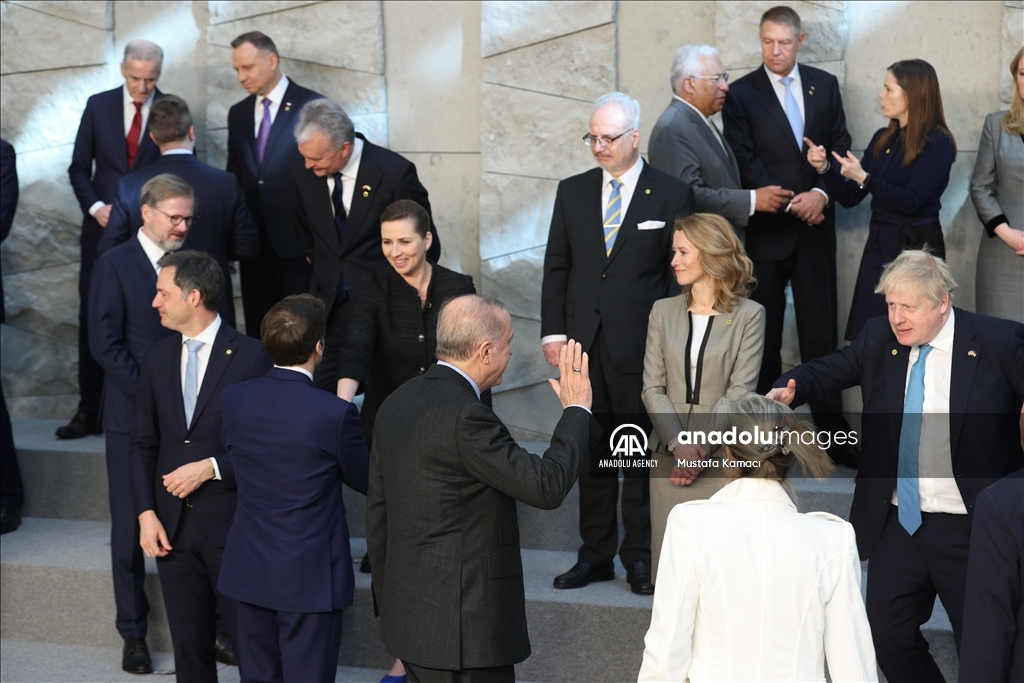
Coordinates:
(132, 141)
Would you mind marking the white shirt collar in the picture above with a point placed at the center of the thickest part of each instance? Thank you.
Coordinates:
(207, 336)
(276, 96)
(296, 368)
(351, 169)
(775, 78)
(126, 97)
(469, 379)
(699, 112)
(176, 150)
(630, 178)
(153, 252)
(944, 339)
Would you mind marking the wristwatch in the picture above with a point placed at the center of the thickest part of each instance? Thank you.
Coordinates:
(864, 182)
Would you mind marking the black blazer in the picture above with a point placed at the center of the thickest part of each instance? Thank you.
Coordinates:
(391, 339)
(384, 177)
(223, 227)
(162, 442)
(441, 524)
(123, 327)
(986, 390)
(8, 201)
(757, 130)
(583, 288)
(267, 186)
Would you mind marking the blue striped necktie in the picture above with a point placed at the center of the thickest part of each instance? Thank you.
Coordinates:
(796, 122)
(612, 217)
(907, 492)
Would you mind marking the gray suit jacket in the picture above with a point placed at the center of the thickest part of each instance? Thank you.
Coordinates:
(682, 145)
(441, 523)
(997, 184)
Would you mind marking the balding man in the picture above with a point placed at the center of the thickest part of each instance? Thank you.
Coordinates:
(441, 521)
(113, 140)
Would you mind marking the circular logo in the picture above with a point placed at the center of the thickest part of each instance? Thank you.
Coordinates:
(628, 441)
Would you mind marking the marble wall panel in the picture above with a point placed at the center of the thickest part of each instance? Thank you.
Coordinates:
(1012, 40)
(530, 413)
(34, 365)
(527, 365)
(516, 279)
(515, 213)
(45, 187)
(343, 34)
(61, 406)
(34, 41)
(94, 13)
(217, 147)
(43, 301)
(222, 11)
(580, 66)
(506, 26)
(737, 31)
(38, 241)
(532, 134)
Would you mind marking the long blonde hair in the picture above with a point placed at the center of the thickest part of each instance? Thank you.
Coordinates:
(1013, 120)
(721, 256)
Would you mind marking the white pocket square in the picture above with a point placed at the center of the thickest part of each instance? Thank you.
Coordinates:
(651, 225)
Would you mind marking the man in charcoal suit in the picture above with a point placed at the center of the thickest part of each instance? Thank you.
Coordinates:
(123, 327)
(112, 141)
(224, 229)
(261, 149)
(182, 480)
(441, 511)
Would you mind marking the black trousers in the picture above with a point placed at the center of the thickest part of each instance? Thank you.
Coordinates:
(904, 576)
(90, 373)
(12, 492)
(491, 674)
(326, 374)
(127, 561)
(616, 401)
(188, 577)
(267, 279)
(274, 647)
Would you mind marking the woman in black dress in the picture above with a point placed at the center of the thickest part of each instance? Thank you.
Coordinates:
(905, 170)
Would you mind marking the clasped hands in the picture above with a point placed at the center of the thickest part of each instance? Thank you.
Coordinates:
(573, 385)
(180, 483)
(684, 476)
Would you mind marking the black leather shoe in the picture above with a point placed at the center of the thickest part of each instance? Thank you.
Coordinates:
(364, 566)
(223, 652)
(135, 657)
(639, 578)
(10, 519)
(82, 424)
(583, 573)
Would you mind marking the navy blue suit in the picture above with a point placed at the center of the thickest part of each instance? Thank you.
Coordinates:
(287, 557)
(12, 493)
(123, 327)
(281, 268)
(992, 648)
(196, 527)
(223, 227)
(100, 139)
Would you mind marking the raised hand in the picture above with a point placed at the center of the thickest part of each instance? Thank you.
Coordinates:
(573, 386)
(816, 156)
(850, 167)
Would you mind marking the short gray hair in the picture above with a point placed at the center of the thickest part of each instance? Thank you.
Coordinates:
(629, 107)
(144, 51)
(327, 118)
(923, 273)
(165, 186)
(465, 322)
(687, 63)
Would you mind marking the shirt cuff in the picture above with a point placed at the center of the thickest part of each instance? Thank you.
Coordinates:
(96, 207)
(753, 202)
(554, 338)
(216, 469)
(577, 405)
(825, 194)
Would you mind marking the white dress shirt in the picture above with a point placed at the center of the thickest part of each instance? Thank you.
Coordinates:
(153, 252)
(348, 177)
(276, 96)
(936, 484)
(469, 379)
(798, 94)
(296, 368)
(207, 336)
(176, 150)
(129, 116)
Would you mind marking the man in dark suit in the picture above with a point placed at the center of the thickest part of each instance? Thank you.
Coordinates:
(992, 648)
(123, 326)
(925, 457)
(182, 481)
(340, 189)
(287, 561)
(224, 229)
(112, 141)
(261, 149)
(686, 143)
(599, 289)
(12, 493)
(441, 511)
(767, 114)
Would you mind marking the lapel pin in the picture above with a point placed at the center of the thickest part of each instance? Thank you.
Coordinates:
(228, 351)
(366, 190)
(728, 322)
(894, 352)
(647, 191)
(972, 353)
(287, 106)
(811, 91)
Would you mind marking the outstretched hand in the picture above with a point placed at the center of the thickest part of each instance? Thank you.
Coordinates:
(573, 385)
(850, 167)
(784, 395)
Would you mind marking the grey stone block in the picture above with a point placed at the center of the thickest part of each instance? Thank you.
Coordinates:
(44, 301)
(530, 413)
(38, 240)
(737, 30)
(222, 11)
(43, 178)
(506, 26)
(43, 406)
(35, 41)
(32, 365)
(515, 213)
(95, 13)
(516, 279)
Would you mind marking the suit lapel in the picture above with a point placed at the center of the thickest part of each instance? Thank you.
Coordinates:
(966, 351)
(703, 130)
(321, 213)
(641, 195)
(223, 351)
(369, 175)
(808, 81)
(284, 123)
(896, 359)
(176, 389)
(769, 101)
(248, 132)
(142, 262)
(115, 124)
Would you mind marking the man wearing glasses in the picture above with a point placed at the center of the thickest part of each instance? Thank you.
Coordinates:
(686, 143)
(606, 264)
(123, 326)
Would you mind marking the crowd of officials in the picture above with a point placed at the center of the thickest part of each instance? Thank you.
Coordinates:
(663, 298)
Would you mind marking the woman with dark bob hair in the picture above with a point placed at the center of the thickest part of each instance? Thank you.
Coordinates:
(750, 589)
(905, 170)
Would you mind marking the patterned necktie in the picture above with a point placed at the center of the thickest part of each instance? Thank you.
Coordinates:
(131, 141)
(191, 393)
(264, 136)
(796, 122)
(612, 217)
(910, 445)
(340, 215)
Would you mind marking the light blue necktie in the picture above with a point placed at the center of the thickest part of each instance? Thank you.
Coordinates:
(796, 122)
(910, 445)
(612, 217)
(191, 393)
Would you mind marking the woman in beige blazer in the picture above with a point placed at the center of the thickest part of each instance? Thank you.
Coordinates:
(702, 345)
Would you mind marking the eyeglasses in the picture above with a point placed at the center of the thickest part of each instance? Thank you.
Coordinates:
(714, 78)
(593, 140)
(177, 220)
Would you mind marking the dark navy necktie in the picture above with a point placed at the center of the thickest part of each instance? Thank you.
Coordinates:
(340, 216)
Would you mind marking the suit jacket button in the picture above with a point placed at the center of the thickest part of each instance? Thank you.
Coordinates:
(419, 338)
(604, 276)
(422, 370)
(261, 182)
(187, 442)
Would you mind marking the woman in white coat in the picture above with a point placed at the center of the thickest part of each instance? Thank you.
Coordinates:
(749, 589)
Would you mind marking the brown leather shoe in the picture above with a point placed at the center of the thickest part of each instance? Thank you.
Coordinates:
(82, 424)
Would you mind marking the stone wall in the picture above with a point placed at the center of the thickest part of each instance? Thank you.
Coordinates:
(489, 99)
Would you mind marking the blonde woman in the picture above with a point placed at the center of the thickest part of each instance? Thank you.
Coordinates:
(750, 589)
(997, 189)
(702, 345)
